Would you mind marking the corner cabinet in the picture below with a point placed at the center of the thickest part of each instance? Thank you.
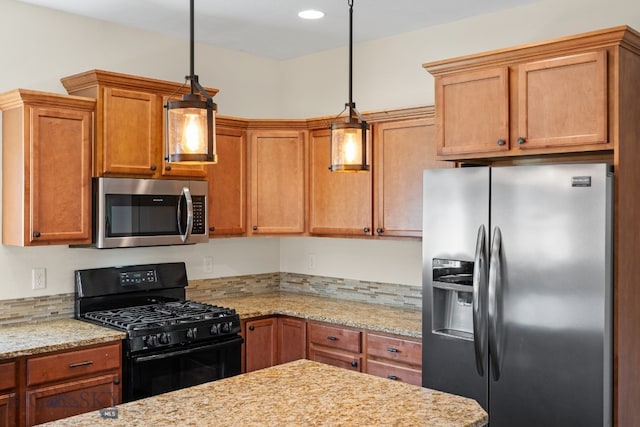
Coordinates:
(549, 98)
(129, 124)
(46, 168)
(277, 181)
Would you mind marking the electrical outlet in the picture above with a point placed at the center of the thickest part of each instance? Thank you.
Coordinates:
(207, 264)
(38, 278)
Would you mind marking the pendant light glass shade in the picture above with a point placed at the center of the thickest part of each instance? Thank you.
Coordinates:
(190, 123)
(350, 145)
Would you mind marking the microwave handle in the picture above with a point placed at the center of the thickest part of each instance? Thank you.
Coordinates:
(187, 233)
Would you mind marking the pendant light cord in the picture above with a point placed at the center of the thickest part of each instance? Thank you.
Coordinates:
(191, 46)
(351, 106)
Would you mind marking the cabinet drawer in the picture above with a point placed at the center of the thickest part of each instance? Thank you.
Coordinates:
(394, 372)
(7, 375)
(72, 364)
(352, 362)
(396, 349)
(335, 337)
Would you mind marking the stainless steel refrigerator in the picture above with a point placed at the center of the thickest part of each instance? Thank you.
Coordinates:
(517, 291)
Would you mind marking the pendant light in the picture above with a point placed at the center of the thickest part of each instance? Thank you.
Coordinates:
(190, 123)
(349, 136)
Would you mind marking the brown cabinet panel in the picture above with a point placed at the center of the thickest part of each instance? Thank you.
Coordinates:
(75, 397)
(46, 168)
(402, 151)
(336, 358)
(395, 372)
(72, 364)
(563, 101)
(227, 183)
(472, 112)
(339, 203)
(398, 350)
(278, 172)
(260, 343)
(8, 405)
(335, 337)
(292, 339)
(7, 375)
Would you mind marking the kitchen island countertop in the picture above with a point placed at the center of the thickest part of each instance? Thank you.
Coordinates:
(42, 337)
(300, 393)
(374, 317)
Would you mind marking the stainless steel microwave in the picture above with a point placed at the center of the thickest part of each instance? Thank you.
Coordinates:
(131, 212)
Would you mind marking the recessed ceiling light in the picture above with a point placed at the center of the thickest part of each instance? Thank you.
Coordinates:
(311, 14)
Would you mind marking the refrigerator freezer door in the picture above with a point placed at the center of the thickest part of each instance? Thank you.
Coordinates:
(456, 204)
(555, 297)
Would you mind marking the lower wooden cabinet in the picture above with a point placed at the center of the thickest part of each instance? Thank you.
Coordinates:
(67, 383)
(8, 397)
(292, 339)
(398, 359)
(335, 345)
(260, 343)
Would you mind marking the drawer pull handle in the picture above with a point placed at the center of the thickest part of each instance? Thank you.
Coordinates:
(332, 338)
(392, 377)
(392, 350)
(77, 365)
(252, 328)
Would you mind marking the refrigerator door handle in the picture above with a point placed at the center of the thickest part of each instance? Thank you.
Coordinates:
(494, 304)
(479, 289)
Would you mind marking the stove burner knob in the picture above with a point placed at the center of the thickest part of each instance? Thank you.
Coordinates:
(226, 327)
(151, 341)
(191, 333)
(215, 329)
(164, 338)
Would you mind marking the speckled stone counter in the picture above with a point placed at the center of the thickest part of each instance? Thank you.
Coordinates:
(300, 393)
(42, 337)
(374, 317)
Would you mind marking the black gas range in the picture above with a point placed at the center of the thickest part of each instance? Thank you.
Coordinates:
(171, 342)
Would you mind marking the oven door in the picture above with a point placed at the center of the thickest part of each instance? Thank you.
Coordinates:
(151, 374)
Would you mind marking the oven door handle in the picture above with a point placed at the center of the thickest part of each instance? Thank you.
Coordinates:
(161, 356)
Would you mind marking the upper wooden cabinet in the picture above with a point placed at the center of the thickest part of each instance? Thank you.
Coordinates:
(547, 98)
(46, 168)
(228, 180)
(129, 124)
(339, 202)
(277, 181)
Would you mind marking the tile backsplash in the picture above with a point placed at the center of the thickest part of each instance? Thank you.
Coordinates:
(61, 306)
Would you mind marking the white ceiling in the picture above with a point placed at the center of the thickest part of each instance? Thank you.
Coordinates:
(272, 28)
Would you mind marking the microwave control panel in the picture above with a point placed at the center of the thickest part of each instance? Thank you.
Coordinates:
(199, 213)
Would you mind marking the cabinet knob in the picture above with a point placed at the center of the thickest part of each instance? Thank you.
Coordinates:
(36, 234)
(252, 328)
(153, 167)
(379, 230)
(392, 377)
(501, 142)
(212, 229)
(167, 168)
(354, 363)
(521, 140)
(366, 229)
(116, 381)
(255, 227)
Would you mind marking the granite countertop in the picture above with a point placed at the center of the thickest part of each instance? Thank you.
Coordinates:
(42, 337)
(300, 393)
(374, 317)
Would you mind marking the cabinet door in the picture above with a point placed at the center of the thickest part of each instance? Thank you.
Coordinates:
(58, 196)
(402, 150)
(277, 182)
(472, 112)
(8, 404)
(71, 398)
(260, 343)
(227, 184)
(339, 203)
(563, 101)
(131, 133)
(292, 339)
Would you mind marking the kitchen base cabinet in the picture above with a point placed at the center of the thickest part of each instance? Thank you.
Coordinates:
(396, 358)
(335, 345)
(292, 339)
(71, 382)
(8, 398)
(260, 343)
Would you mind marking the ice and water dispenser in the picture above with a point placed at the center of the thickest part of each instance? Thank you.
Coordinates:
(453, 298)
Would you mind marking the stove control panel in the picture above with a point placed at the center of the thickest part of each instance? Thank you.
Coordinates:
(138, 277)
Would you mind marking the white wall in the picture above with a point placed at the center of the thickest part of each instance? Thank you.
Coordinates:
(39, 46)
